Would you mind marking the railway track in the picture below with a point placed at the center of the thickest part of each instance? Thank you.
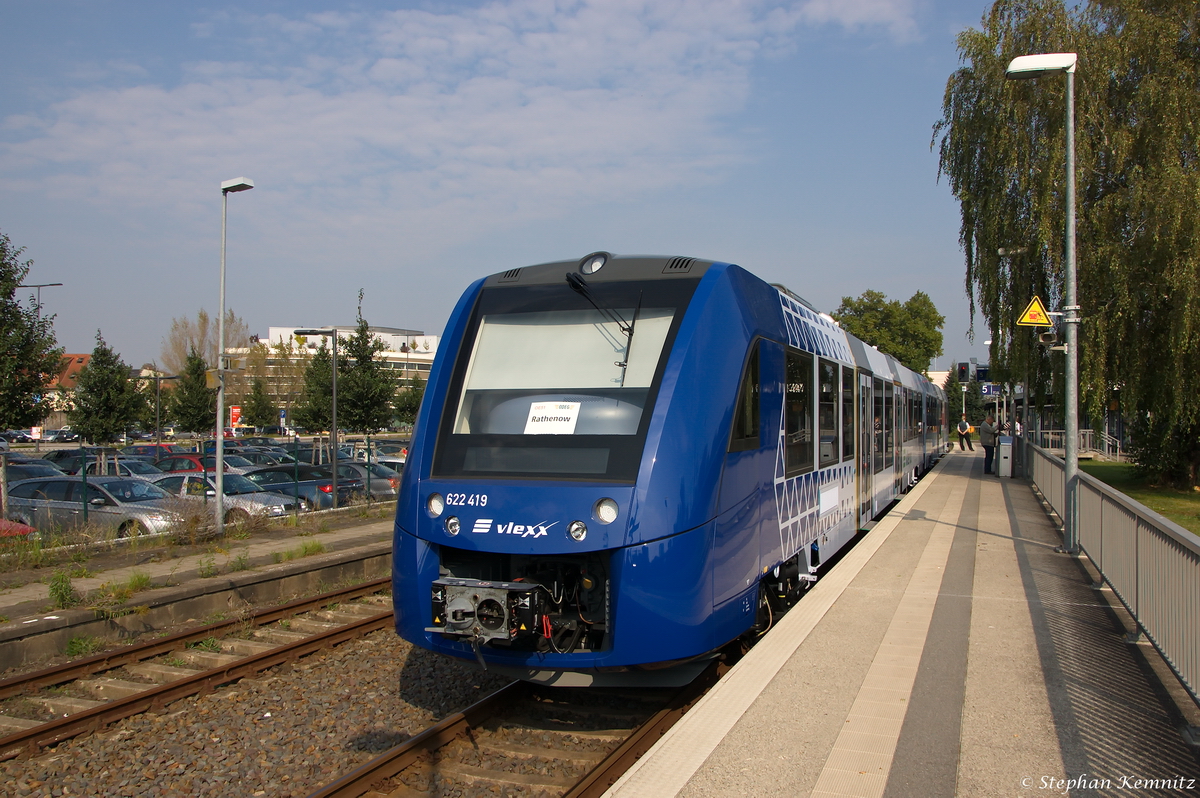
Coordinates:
(529, 740)
(44, 708)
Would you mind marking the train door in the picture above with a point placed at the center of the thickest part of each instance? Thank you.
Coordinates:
(744, 501)
(880, 449)
(865, 448)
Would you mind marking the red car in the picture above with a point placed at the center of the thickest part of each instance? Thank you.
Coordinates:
(11, 531)
(203, 462)
(155, 449)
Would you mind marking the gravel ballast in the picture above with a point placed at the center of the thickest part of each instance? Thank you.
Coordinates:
(284, 733)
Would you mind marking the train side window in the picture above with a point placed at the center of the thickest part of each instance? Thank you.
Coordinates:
(847, 413)
(746, 412)
(889, 423)
(877, 428)
(798, 401)
(827, 410)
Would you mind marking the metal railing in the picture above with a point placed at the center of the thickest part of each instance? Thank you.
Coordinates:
(1089, 441)
(1151, 563)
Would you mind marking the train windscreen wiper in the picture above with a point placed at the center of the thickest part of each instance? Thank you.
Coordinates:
(580, 286)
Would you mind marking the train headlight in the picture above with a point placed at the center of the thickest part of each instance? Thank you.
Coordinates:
(577, 530)
(452, 525)
(605, 511)
(436, 504)
(593, 263)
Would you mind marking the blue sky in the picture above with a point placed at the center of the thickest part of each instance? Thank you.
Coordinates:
(409, 148)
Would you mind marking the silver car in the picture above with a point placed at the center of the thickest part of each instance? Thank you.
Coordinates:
(243, 498)
(127, 467)
(129, 506)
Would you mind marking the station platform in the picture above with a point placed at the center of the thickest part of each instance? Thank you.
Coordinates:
(952, 652)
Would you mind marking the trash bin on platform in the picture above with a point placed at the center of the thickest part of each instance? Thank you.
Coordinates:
(1004, 450)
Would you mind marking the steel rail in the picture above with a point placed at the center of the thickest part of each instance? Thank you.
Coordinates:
(31, 740)
(361, 780)
(388, 764)
(623, 757)
(28, 683)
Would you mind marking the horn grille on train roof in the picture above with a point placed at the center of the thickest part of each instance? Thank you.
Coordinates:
(510, 276)
(678, 266)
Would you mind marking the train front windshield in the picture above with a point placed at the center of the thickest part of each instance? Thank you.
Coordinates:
(559, 383)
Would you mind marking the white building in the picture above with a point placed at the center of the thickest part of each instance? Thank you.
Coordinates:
(409, 352)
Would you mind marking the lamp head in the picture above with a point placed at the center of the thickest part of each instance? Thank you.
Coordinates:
(1026, 67)
(236, 184)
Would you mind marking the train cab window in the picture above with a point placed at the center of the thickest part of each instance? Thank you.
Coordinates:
(553, 384)
(847, 413)
(889, 431)
(745, 434)
(798, 404)
(827, 413)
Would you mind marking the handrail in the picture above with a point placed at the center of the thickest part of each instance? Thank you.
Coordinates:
(1151, 563)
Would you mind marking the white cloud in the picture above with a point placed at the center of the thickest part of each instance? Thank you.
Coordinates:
(481, 116)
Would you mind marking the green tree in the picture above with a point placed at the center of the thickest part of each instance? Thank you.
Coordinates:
(260, 411)
(1002, 147)
(408, 400)
(312, 411)
(193, 404)
(107, 400)
(366, 387)
(955, 400)
(910, 332)
(31, 356)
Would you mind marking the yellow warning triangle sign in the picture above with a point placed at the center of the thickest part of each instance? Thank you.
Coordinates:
(1035, 315)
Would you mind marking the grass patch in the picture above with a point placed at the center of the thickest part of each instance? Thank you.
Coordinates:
(207, 644)
(240, 562)
(175, 662)
(62, 592)
(83, 646)
(306, 549)
(208, 567)
(1181, 506)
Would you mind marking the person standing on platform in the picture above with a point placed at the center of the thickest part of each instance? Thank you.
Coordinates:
(964, 434)
(987, 439)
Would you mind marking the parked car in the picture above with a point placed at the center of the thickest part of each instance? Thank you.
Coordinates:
(29, 470)
(196, 462)
(264, 457)
(16, 436)
(155, 450)
(312, 483)
(14, 530)
(258, 440)
(243, 498)
(128, 506)
(69, 461)
(270, 431)
(306, 453)
(126, 467)
(383, 483)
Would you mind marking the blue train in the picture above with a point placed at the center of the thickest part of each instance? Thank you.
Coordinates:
(623, 463)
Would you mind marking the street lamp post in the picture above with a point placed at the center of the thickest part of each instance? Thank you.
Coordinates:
(333, 336)
(227, 186)
(39, 287)
(1023, 68)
